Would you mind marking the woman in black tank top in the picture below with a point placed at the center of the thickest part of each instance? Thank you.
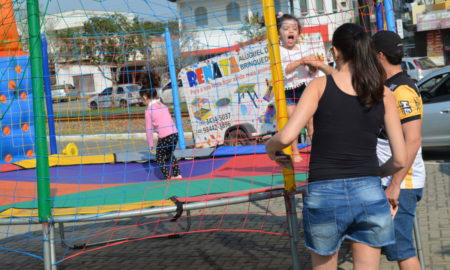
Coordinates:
(344, 198)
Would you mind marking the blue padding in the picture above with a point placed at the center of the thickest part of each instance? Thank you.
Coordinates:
(244, 150)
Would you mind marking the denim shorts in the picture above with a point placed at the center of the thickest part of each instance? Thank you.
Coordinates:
(293, 95)
(404, 222)
(352, 208)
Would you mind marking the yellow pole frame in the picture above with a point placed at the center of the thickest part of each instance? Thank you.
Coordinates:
(277, 82)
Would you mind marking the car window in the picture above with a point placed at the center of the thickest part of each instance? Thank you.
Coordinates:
(167, 86)
(120, 90)
(403, 65)
(426, 63)
(411, 66)
(444, 88)
(428, 85)
(440, 92)
(106, 92)
(133, 87)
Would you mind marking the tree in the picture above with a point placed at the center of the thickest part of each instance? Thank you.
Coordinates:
(114, 40)
(253, 28)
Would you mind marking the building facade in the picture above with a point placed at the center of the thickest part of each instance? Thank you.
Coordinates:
(216, 26)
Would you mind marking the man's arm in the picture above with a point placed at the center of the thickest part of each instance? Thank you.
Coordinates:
(412, 134)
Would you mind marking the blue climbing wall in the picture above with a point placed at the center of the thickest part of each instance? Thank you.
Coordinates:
(17, 125)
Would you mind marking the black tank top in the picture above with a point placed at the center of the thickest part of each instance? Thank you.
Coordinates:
(345, 136)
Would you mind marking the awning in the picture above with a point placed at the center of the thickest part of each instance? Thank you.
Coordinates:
(433, 20)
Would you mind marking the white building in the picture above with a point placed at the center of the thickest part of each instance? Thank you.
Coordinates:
(76, 18)
(87, 78)
(213, 26)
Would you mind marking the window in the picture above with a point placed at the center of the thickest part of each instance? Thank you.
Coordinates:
(442, 92)
(120, 91)
(277, 4)
(428, 85)
(334, 2)
(319, 6)
(201, 16)
(436, 89)
(233, 12)
(133, 87)
(107, 92)
(411, 66)
(304, 7)
(403, 66)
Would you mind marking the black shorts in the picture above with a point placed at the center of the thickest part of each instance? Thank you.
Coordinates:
(293, 95)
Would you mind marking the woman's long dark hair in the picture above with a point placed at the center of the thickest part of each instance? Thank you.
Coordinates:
(368, 75)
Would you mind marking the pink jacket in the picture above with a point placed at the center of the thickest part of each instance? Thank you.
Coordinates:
(159, 120)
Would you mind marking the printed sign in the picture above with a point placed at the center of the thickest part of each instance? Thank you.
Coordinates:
(233, 89)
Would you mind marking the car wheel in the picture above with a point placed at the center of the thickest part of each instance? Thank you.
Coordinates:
(123, 103)
(237, 137)
(93, 105)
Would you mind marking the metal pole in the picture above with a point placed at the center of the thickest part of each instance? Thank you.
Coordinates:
(280, 105)
(48, 97)
(291, 212)
(364, 14)
(390, 17)
(42, 168)
(418, 241)
(49, 246)
(174, 84)
(153, 210)
(379, 15)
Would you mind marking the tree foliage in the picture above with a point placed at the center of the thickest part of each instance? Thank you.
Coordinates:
(253, 29)
(115, 40)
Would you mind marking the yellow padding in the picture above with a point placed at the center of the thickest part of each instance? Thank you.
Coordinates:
(17, 212)
(61, 160)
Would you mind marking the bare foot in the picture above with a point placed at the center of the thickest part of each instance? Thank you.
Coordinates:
(296, 158)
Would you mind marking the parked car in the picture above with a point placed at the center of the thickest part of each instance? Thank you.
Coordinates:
(418, 67)
(64, 92)
(435, 91)
(165, 93)
(123, 95)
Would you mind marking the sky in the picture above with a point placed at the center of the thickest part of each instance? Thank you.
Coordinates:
(154, 10)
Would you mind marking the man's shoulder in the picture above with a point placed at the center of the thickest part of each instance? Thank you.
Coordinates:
(401, 81)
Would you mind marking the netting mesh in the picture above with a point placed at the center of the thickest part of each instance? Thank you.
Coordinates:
(99, 53)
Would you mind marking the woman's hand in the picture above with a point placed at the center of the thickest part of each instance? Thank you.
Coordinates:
(392, 193)
(311, 61)
(284, 160)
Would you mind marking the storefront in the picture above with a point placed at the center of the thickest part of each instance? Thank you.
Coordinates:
(436, 27)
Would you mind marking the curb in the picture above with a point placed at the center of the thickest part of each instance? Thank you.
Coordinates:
(104, 137)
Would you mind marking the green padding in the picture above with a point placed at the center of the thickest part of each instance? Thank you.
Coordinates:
(161, 190)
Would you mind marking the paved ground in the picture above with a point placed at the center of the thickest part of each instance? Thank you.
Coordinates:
(219, 249)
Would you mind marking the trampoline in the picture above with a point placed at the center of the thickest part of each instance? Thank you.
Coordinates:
(99, 188)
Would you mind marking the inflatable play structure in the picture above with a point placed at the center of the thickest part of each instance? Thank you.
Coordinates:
(65, 190)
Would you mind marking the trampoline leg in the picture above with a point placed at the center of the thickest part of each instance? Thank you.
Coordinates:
(291, 212)
(418, 241)
(48, 232)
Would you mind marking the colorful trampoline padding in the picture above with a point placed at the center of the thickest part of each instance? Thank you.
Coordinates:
(63, 160)
(101, 188)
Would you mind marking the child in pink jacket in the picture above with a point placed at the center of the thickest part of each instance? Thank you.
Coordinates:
(159, 120)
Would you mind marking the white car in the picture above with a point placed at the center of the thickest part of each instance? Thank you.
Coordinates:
(165, 93)
(123, 95)
(64, 92)
(435, 91)
(418, 67)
